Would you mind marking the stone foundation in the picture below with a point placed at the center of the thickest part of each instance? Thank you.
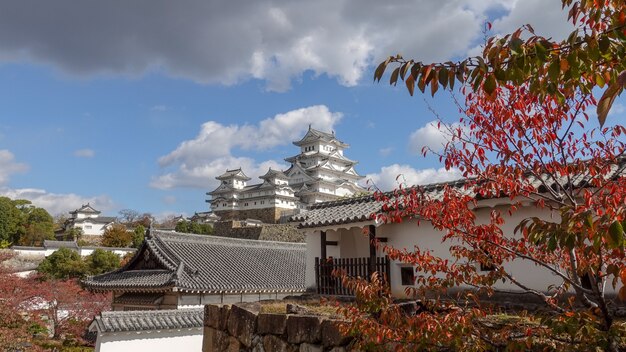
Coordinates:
(242, 328)
(265, 232)
(266, 215)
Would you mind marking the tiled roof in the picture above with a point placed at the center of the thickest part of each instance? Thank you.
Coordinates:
(96, 220)
(144, 320)
(140, 280)
(236, 173)
(85, 208)
(208, 264)
(359, 209)
(60, 244)
(313, 135)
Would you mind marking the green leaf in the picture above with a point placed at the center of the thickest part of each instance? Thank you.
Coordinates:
(516, 46)
(554, 70)
(616, 235)
(541, 52)
(490, 84)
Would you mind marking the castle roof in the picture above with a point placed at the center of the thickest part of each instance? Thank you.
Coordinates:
(85, 209)
(210, 264)
(314, 135)
(274, 173)
(235, 173)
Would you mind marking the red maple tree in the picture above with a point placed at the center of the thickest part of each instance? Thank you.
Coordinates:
(533, 147)
(33, 309)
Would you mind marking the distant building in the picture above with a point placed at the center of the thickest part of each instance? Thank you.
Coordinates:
(320, 172)
(205, 217)
(88, 219)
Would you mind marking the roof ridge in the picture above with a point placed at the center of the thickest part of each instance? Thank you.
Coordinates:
(226, 240)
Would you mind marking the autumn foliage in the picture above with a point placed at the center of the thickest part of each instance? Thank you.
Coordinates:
(35, 312)
(525, 137)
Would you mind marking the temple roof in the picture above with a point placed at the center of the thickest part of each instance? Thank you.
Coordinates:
(210, 264)
(117, 321)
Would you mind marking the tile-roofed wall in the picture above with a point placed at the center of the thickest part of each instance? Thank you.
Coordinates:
(359, 209)
(149, 320)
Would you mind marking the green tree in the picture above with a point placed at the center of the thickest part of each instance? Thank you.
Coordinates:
(102, 261)
(182, 226)
(117, 236)
(23, 223)
(138, 236)
(37, 226)
(73, 234)
(63, 264)
(185, 226)
(11, 219)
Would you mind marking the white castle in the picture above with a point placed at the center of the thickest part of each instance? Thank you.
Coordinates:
(319, 173)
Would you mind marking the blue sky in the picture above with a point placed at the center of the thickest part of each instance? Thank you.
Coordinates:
(142, 107)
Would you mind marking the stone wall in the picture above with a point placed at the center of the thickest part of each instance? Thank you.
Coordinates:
(265, 232)
(242, 328)
(267, 215)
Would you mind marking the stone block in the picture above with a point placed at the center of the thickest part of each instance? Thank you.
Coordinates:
(338, 349)
(233, 345)
(273, 343)
(214, 340)
(212, 315)
(242, 324)
(269, 323)
(303, 328)
(331, 336)
(307, 347)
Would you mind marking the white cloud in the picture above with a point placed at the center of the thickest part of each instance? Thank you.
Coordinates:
(56, 203)
(199, 160)
(433, 136)
(9, 166)
(84, 153)
(169, 200)
(227, 42)
(159, 108)
(392, 176)
(546, 18)
(385, 151)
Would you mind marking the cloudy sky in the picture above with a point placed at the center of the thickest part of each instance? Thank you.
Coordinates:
(141, 104)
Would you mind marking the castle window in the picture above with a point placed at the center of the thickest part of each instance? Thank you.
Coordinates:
(262, 202)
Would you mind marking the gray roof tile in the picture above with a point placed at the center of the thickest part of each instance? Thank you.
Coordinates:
(117, 321)
(209, 264)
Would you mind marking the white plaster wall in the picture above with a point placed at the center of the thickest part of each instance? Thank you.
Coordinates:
(312, 250)
(153, 341)
(95, 230)
(352, 243)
